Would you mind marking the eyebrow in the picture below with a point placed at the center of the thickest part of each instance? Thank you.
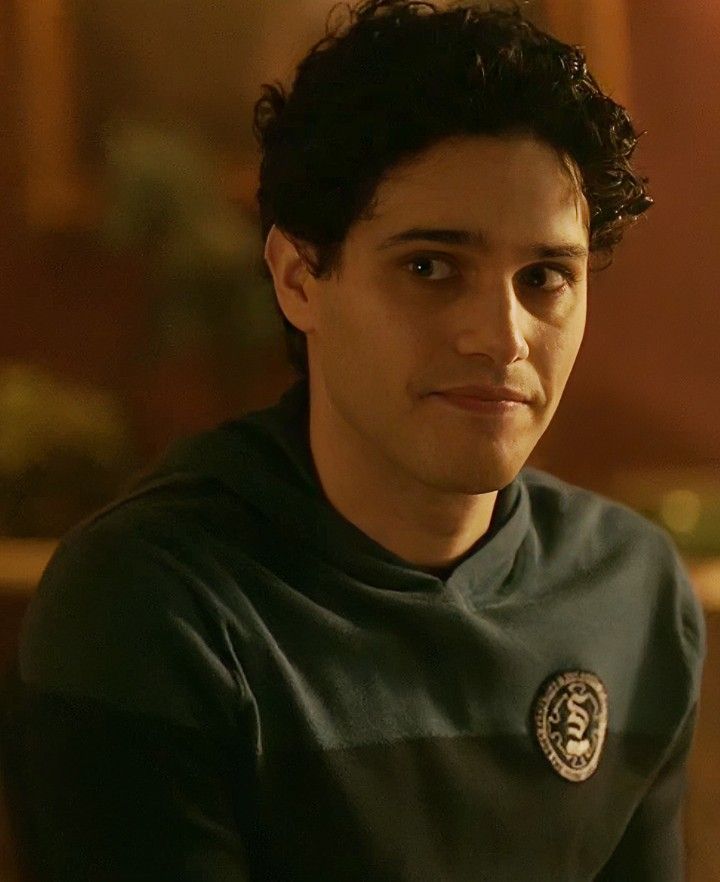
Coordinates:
(479, 240)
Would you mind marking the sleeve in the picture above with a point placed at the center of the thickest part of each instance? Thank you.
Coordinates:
(96, 794)
(652, 847)
(127, 744)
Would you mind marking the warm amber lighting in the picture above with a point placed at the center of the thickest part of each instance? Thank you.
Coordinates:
(680, 510)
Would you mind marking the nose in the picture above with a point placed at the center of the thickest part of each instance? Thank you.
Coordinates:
(491, 324)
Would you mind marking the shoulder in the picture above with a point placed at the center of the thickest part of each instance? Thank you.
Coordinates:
(607, 543)
(125, 612)
(562, 505)
(594, 524)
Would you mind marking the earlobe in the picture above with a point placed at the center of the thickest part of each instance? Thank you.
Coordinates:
(290, 276)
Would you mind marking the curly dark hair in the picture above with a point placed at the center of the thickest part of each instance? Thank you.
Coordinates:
(398, 76)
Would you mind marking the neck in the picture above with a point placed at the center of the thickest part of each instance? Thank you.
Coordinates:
(429, 528)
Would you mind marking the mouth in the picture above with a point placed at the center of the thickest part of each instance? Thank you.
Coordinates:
(492, 400)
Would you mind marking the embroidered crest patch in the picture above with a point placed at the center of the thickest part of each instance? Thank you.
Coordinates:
(570, 716)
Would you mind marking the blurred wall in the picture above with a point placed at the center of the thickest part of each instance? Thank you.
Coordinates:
(644, 391)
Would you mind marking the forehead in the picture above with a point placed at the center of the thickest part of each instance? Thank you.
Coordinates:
(514, 188)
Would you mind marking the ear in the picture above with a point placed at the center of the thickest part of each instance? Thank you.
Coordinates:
(292, 279)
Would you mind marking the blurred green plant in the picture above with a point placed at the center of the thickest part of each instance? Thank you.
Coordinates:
(65, 449)
(164, 198)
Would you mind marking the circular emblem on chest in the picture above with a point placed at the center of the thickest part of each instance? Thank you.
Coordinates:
(570, 716)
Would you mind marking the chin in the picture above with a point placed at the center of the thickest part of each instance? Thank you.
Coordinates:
(474, 480)
(484, 468)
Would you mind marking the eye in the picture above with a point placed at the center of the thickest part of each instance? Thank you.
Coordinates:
(433, 269)
(551, 279)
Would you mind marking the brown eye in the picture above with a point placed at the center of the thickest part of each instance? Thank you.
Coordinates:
(546, 278)
(431, 268)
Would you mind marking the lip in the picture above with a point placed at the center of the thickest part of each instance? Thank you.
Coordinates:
(486, 393)
(493, 401)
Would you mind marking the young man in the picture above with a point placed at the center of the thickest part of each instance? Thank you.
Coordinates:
(351, 637)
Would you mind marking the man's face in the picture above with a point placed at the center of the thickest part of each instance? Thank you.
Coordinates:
(499, 301)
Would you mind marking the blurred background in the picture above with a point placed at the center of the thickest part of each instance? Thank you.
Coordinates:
(133, 309)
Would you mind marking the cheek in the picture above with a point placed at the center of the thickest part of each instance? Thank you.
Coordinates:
(366, 324)
(554, 346)
(575, 333)
(556, 354)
